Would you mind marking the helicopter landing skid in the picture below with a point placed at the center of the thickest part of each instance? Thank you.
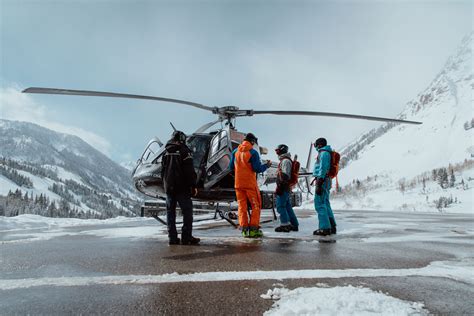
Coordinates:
(228, 215)
(162, 221)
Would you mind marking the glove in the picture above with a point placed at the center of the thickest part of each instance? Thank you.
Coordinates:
(319, 186)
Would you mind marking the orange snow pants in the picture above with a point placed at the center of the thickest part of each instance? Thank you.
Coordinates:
(244, 196)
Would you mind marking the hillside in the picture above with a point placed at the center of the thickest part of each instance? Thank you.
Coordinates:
(59, 169)
(406, 166)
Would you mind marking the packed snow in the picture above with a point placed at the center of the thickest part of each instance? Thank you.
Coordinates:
(29, 221)
(28, 228)
(339, 300)
(455, 270)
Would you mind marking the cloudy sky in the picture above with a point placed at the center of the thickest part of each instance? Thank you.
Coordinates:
(360, 57)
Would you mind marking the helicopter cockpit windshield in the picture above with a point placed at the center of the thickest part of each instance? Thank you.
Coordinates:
(151, 151)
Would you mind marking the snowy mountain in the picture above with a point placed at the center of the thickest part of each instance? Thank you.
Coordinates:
(407, 166)
(62, 168)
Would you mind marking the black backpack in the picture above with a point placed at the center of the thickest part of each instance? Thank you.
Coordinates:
(172, 173)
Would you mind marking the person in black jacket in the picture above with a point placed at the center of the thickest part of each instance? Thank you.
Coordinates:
(179, 179)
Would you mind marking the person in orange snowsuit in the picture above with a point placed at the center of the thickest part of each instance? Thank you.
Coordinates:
(246, 162)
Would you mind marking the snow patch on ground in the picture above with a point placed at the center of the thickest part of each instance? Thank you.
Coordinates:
(352, 227)
(460, 270)
(29, 221)
(339, 300)
(128, 232)
(31, 228)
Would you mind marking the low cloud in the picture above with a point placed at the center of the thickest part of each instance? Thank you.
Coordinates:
(18, 106)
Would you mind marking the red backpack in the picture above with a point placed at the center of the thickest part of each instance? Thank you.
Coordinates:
(334, 168)
(295, 171)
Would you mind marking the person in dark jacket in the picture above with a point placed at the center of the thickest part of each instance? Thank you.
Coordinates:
(288, 220)
(179, 179)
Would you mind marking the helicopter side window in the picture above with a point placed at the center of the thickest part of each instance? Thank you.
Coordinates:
(214, 146)
(223, 140)
(219, 142)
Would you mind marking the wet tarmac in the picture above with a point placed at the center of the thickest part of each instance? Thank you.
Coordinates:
(365, 240)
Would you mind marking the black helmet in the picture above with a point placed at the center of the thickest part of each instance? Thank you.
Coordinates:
(320, 142)
(178, 136)
(281, 149)
(251, 138)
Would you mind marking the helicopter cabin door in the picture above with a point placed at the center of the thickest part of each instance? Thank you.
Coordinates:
(218, 159)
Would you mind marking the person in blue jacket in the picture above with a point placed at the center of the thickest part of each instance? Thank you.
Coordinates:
(327, 223)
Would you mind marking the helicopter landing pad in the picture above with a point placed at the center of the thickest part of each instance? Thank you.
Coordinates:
(125, 265)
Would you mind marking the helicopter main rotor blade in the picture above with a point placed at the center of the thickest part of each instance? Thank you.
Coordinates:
(114, 95)
(353, 116)
(206, 126)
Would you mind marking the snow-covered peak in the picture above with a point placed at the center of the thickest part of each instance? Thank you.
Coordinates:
(403, 151)
(456, 73)
(33, 144)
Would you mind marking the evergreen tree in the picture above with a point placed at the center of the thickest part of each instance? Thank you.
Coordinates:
(452, 179)
(443, 178)
(402, 185)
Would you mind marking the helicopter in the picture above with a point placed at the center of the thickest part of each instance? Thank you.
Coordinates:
(211, 152)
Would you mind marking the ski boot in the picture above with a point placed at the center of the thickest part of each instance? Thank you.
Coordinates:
(190, 241)
(294, 228)
(283, 229)
(245, 232)
(322, 232)
(255, 233)
(174, 241)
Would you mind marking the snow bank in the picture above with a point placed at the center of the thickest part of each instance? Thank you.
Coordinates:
(347, 300)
